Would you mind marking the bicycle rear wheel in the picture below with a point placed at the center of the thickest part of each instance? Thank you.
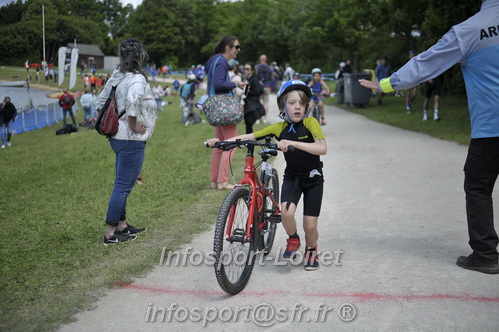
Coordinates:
(234, 258)
(267, 234)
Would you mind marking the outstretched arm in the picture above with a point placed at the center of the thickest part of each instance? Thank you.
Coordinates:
(427, 65)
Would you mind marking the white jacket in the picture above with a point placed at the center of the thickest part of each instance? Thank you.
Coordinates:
(134, 95)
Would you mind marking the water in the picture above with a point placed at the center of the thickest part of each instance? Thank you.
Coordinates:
(21, 97)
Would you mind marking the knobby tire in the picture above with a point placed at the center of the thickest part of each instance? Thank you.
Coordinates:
(267, 235)
(233, 274)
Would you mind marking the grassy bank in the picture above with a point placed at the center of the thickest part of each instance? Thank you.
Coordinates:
(54, 196)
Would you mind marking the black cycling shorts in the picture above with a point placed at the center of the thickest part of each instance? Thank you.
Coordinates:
(312, 190)
(434, 88)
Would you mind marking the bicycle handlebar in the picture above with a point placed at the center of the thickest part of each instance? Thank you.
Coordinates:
(229, 145)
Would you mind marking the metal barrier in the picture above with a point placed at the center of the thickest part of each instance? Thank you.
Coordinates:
(36, 117)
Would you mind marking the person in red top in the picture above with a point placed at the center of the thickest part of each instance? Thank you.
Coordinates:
(66, 101)
(100, 82)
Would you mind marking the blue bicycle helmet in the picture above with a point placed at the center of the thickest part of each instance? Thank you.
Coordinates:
(290, 86)
(293, 85)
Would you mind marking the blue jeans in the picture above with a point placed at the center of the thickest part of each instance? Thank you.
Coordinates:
(6, 132)
(129, 159)
(87, 112)
(158, 104)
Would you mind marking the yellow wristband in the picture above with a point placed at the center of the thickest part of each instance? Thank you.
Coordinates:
(385, 85)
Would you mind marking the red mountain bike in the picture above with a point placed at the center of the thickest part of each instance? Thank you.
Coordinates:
(248, 217)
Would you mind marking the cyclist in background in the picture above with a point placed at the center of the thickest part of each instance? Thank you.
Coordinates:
(303, 174)
(317, 85)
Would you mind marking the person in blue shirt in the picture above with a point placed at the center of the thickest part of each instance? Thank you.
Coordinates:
(217, 72)
(176, 87)
(474, 44)
(383, 70)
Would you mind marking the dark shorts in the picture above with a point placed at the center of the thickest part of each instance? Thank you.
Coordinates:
(311, 188)
(434, 88)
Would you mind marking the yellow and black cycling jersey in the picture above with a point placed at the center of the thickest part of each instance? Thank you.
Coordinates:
(307, 131)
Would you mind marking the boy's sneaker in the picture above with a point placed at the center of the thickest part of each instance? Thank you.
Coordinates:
(3, 146)
(118, 237)
(311, 259)
(292, 246)
(130, 230)
(9, 143)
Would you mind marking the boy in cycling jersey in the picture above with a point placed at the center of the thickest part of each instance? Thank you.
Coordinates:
(303, 174)
(317, 85)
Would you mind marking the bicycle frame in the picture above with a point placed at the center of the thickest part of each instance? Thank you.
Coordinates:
(257, 192)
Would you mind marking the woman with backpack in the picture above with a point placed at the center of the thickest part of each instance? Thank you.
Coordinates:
(136, 126)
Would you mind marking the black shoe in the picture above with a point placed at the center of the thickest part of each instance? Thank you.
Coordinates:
(470, 263)
(130, 230)
(311, 259)
(118, 237)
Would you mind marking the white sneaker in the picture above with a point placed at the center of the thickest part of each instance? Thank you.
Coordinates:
(3, 146)
(9, 143)
(425, 117)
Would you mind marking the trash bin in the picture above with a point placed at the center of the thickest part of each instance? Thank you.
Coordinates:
(355, 94)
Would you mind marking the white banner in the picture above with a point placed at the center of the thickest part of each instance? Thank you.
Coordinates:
(72, 68)
(62, 61)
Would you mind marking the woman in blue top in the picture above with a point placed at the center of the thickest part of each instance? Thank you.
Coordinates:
(227, 49)
(317, 85)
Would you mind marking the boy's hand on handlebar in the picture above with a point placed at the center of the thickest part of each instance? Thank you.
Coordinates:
(285, 145)
(211, 142)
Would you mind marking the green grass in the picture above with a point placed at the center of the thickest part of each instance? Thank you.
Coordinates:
(54, 196)
(455, 120)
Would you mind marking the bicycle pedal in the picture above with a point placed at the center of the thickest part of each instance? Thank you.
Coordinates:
(238, 235)
(276, 218)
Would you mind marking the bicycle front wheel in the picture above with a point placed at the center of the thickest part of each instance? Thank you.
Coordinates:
(234, 257)
(267, 234)
(317, 113)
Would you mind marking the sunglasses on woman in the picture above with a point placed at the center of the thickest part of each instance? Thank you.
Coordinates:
(238, 47)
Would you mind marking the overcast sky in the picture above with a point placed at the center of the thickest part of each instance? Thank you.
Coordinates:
(135, 3)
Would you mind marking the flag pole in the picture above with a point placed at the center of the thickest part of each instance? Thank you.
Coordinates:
(43, 23)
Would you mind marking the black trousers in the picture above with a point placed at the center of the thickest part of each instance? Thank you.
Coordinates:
(481, 170)
(65, 113)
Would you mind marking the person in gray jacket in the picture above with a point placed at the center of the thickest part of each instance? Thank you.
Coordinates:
(474, 44)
